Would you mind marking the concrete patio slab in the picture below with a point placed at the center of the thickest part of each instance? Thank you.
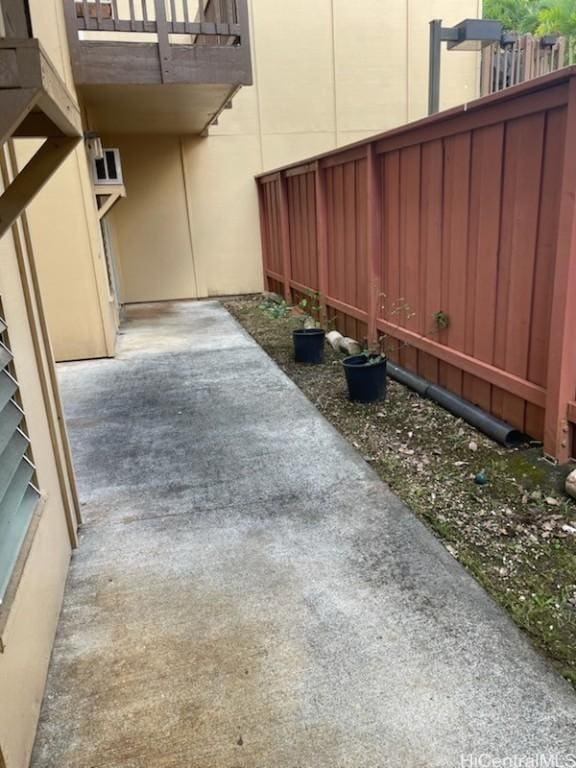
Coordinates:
(248, 594)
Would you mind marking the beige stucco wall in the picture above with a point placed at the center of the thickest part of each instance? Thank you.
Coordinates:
(66, 236)
(322, 79)
(33, 615)
(152, 229)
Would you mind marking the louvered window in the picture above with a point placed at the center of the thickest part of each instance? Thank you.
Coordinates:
(18, 492)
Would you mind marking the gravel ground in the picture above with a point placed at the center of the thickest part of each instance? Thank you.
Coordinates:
(516, 534)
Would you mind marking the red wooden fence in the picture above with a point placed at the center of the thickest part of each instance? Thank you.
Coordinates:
(470, 213)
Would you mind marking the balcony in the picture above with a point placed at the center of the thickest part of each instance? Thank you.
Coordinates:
(169, 66)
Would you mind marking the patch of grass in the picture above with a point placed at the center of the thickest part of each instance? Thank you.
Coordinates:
(509, 533)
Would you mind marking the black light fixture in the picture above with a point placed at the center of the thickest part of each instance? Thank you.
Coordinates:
(468, 35)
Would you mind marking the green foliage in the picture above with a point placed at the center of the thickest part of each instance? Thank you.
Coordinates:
(442, 320)
(311, 304)
(539, 17)
(275, 309)
(516, 15)
(557, 17)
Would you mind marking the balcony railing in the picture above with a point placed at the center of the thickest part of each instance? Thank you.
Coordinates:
(165, 41)
(15, 19)
(213, 22)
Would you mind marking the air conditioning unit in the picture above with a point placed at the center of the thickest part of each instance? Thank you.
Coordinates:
(107, 169)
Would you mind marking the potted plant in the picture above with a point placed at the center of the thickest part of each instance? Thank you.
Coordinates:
(309, 342)
(366, 377)
(366, 373)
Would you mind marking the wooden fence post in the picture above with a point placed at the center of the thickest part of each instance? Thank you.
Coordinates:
(373, 242)
(322, 240)
(561, 383)
(263, 235)
(285, 237)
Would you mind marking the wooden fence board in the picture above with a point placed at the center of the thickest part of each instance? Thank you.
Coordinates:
(431, 248)
(485, 204)
(544, 266)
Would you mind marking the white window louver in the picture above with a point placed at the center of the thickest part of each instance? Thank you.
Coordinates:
(18, 492)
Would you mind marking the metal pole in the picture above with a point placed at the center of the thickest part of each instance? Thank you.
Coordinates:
(434, 69)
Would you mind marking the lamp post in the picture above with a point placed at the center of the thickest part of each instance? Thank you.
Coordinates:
(469, 35)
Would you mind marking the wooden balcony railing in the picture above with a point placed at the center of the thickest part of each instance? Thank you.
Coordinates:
(15, 19)
(214, 21)
(159, 41)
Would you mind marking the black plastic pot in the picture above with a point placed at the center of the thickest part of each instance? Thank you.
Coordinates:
(366, 380)
(309, 345)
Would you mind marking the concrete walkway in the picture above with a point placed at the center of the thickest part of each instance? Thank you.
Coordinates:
(248, 594)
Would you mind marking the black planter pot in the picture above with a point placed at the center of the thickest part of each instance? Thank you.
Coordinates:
(309, 345)
(366, 381)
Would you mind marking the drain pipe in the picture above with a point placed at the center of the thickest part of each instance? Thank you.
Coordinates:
(498, 430)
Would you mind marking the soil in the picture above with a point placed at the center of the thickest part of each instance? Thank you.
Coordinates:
(516, 533)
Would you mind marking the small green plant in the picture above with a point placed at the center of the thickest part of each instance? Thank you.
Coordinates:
(442, 320)
(275, 309)
(311, 305)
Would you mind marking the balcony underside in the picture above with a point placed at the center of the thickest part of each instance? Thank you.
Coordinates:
(147, 109)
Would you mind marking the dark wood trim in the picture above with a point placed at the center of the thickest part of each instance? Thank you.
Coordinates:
(309, 168)
(347, 309)
(114, 63)
(269, 178)
(509, 110)
(345, 156)
(164, 48)
(111, 25)
(16, 16)
(274, 275)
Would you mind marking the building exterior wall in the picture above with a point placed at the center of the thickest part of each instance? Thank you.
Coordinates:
(29, 616)
(81, 312)
(322, 79)
(152, 233)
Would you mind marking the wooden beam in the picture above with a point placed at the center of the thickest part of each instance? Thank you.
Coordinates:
(496, 376)
(274, 275)
(347, 309)
(32, 178)
(572, 412)
(15, 105)
(16, 18)
(164, 48)
(111, 201)
(32, 73)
